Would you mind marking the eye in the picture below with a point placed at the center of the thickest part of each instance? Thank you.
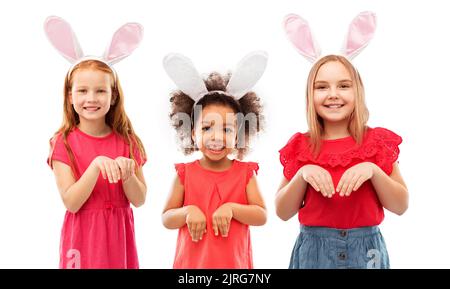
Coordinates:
(82, 90)
(320, 87)
(206, 128)
(345, 86)
(101, 90)
(228, 130)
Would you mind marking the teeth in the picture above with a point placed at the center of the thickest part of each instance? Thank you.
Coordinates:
(215, 148)
(334, 106)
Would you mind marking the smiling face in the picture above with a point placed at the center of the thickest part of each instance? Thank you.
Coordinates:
(215, 132)
(334, 92)
(91, 93)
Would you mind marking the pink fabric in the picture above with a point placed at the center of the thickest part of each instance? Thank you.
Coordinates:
(208, 190)
(125, 40)
(299, 33)
(63, 38)
(101, 233)
(360, 32)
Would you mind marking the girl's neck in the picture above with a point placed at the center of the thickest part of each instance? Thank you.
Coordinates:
(220, 165)
(335, 130)
(97, 128)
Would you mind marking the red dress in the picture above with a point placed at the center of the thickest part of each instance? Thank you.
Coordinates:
(101, 233)
(362, 208)
(208, 190)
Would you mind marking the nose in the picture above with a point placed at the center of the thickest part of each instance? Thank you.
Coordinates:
(332, 92)
(217, 135)
(91, 96)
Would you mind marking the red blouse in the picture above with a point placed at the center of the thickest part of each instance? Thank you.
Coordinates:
(362, 208)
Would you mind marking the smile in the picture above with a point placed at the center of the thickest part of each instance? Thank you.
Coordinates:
(215, 148)
(91, 108)
(334, 106)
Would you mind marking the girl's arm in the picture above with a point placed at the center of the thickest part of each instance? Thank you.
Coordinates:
(175, 215)
(391, 190)
(75, 193)
(135, 188)
(290, 196)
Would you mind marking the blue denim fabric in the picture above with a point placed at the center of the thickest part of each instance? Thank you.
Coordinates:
(328, 248)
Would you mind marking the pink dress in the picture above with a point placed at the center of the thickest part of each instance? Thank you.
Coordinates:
(208, 190)
(101, 233)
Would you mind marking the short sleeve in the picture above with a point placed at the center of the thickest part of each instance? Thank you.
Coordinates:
(181, 170)
(141, 160)
(58, 151)
(252, 169)
(389, 151)
(288, 156)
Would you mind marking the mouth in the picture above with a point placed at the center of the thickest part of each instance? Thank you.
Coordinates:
(91, 108)
(215, 148)
(333, 106)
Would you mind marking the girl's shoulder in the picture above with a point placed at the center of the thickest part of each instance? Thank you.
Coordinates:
(181, 168)
(297, 143)
(250, 169)
(383, 135)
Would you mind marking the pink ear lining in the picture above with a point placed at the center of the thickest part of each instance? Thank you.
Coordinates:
(299, 33)
(61, 36)
(125, 40)
(360, 33)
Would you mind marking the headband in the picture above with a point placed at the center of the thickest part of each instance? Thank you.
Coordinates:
(360, 32)
(124, 41)
(184, 74)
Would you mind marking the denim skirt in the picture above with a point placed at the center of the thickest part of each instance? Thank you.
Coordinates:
(328, 248)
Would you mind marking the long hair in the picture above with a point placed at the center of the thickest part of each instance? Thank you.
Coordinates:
(358, 119)
(116, 117)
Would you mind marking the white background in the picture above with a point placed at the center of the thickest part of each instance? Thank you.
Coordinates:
(404, 69)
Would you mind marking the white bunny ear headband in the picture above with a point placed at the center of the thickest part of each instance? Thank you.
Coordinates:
(184, 74)
(124, 41)
(360, 32)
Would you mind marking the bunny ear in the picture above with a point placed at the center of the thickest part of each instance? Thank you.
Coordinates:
(246, 75)
(62, 37)
(124, 41)
(182, 71)
(360, 32)
(299, 33)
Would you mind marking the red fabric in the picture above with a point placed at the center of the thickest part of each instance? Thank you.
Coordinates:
(362, 208)
(101, 233)
(208, 190)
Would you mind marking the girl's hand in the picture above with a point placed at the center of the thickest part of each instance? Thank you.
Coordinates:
(108, 168)
(354, 177)
(221, 219)
(196, 222)
(127, 167)
(319, 178)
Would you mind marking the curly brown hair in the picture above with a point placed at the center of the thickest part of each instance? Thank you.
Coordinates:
(182, 108)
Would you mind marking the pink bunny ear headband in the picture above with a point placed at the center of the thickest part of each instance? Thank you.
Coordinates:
(360, 32)
(124, 41)
(184, 74)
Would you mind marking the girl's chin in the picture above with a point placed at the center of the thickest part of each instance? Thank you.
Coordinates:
(335, 118)
(92, 116)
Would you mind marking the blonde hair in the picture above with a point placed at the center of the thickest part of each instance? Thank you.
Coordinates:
(116, 117)
(358, 118)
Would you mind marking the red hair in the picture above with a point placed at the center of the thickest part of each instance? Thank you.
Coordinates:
(116, 117)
